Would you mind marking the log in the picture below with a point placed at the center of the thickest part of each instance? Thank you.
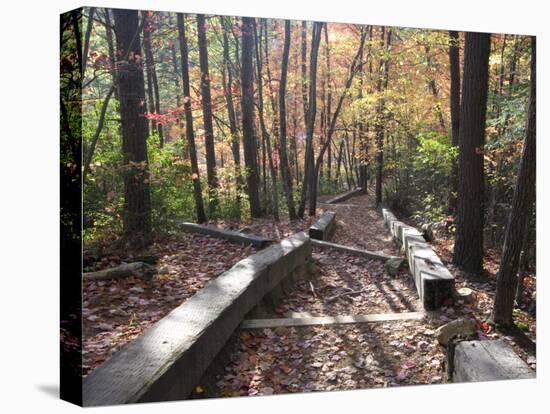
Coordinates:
(257, 241)
(343, 197)
(137, 269)
(324, 228)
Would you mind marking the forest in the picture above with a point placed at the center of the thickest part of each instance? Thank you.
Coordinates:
(253, 124)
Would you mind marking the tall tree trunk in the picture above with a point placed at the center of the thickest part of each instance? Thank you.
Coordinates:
(380, 118)
(151, 71)
(328, 106)
(265, 134)
(285, 170)
(303, 42)
(207, 115)
(432, 85)
(111, 48)
(468, 250)
(247, 105)
(227, 80)
(311, 115)
(330, 132)
(189, 131)
(87, 35)
(523, 259)
(524, 196)
(454, 64)
(131, 92)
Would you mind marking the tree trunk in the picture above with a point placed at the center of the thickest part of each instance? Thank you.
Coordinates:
(433, 89)
(131, 92)
(265, 134)
(227, 80)
(285, 170)
(111, 48)
(523, 260)
(524, 196)
(311, 115)
(330, 132)
(87, 35)
(454, 64)
(152, 80)
(247, 105)
(468, 250)
(189, 131)
(380, 118)
(207, 115)
(303, 50)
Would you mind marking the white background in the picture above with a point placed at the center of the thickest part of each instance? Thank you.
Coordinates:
(29, 223)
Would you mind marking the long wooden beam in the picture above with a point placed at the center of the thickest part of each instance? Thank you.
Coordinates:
(258, 241)
(330, 320)
(352, 250)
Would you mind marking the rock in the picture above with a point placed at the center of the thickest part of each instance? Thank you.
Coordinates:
(392, 265)
(427, 232)
(464, 327)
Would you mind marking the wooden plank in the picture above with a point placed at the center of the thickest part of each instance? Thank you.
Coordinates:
(324, 228)
(258, 241)
(330, 320)
(352, 250)
(488, 361)
(345, 196)
(338, 205)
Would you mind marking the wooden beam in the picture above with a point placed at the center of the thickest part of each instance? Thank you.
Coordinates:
(345, 196)
(352, 250)
(258, 241)
(337, 205)
(330, 320)
(324, 228)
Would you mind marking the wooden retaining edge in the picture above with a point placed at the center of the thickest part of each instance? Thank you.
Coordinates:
(330, 320)
(166, 361)
(434, 282)
(352, 250)
(324, 228)
(343, 197)
(338, 204)
(492, 360)
(258, 241)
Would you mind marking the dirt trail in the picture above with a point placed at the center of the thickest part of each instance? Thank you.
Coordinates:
(338, 357)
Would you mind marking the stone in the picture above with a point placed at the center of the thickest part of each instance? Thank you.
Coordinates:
(393, 265)
(427, 232)
(463, 327)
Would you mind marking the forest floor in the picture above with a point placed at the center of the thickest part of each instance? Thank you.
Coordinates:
(116, 311)
(298, 359)
(339, 357)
